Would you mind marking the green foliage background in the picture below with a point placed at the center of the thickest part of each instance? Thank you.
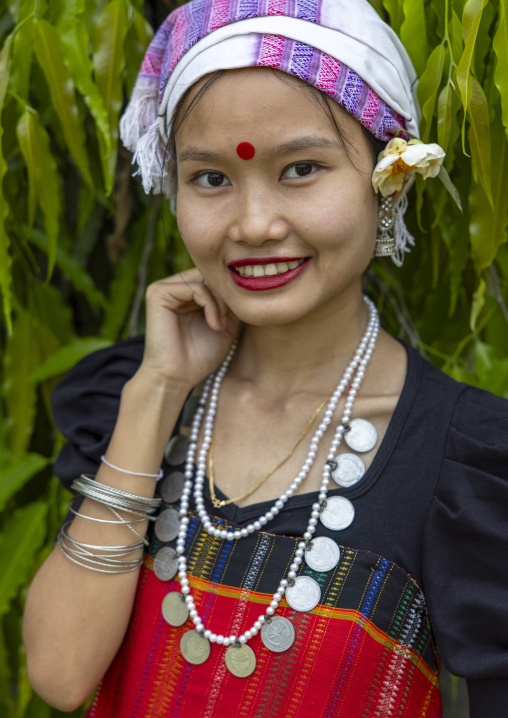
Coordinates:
(79, 241)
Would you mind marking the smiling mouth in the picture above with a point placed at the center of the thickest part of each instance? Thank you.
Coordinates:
(272, 269)
(258, 275)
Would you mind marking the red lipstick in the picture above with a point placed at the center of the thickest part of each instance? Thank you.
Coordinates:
(259, 284)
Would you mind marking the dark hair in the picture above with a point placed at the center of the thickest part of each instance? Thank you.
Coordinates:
(179, 116)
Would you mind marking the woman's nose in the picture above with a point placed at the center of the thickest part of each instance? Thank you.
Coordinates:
(258, 219)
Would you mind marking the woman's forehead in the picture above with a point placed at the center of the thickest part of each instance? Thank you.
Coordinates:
(261, 102)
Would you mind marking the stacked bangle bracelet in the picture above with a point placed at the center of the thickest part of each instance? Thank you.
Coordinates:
(108, 559)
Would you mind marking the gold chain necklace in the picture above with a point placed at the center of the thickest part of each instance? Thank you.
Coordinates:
(218, 503)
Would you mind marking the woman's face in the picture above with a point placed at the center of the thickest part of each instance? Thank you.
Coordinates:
(289, 232)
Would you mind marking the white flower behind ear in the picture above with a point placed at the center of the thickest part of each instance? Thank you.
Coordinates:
(400, 158)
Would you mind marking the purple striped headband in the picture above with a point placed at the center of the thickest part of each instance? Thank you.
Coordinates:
(341, 47)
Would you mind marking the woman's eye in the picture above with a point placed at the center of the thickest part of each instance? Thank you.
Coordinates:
(212, 179)
(302, 169)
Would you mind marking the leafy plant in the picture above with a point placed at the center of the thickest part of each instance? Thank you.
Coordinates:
(79, 241)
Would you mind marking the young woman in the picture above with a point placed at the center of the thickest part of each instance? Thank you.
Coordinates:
(332, 511)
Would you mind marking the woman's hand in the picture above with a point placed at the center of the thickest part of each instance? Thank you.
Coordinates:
(189, 329)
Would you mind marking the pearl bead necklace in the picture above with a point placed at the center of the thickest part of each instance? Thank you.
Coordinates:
(356, 368)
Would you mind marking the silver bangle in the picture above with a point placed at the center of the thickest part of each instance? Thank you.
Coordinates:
(141, 518)
(157, 476)
(112, 561)
(109, 496)
(123, 521)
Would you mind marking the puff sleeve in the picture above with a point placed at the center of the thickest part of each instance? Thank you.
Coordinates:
(465, 552)
(85, 406)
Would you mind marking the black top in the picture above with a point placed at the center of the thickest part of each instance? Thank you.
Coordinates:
(434, 501)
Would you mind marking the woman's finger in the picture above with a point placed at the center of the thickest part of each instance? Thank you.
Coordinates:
(185, 294)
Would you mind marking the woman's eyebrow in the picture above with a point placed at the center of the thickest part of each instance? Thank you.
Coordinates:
(200, 154)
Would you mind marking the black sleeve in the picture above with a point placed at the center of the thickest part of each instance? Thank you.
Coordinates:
(85, 406)
(465, 560)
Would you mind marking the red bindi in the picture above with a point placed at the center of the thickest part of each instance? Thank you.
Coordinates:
(245, 151)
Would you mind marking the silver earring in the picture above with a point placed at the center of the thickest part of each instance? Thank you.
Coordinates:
(385, 242)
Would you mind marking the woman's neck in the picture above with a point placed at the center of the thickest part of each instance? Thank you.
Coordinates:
(309, 353)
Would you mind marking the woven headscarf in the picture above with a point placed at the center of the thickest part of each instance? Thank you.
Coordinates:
(341, 47)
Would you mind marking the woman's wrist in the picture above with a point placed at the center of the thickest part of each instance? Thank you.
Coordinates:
(157, 385)
(149, 409)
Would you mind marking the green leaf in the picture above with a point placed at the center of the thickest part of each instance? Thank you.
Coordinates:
(5, 257)
(479, 136)
(51, 310)
(6, 701)
(137, 40)
(22, 54)
(22, 538)
(49, 55)
(5, 67)
(413, 33)
(109, 62)
(395, 11)
(457, 41)
(452, 190)
(17, 472)
(444, 116)
(483, 45)
(72, 270)
(496, 378)
(488, 222)
(123, 285)
(471, 19)
(66, 357)
(25, 131)
(29, 343)
(35, 146)
(429, 86)
(501, 50)
(75, 41)
(144, 30)
(478, 304)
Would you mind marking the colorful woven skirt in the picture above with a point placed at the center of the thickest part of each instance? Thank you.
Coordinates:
(365, 651)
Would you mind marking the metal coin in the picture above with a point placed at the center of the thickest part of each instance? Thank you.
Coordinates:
(189, 409)
(172, 487)
(349, 471)
(362, 435)
(176, 450)
(338, 514)
(167, 525)
(174, 609)
(241, 660)
(323, 555)
(195, 648)
(278, 635)
(165, 563)
(304, 595)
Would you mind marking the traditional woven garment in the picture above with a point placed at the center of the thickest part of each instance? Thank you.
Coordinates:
(365, 651)
(433, 502)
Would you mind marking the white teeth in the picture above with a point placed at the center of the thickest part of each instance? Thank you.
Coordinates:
(268, 270)
(271, 270)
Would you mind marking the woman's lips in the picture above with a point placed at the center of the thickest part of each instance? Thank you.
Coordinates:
(277, 276)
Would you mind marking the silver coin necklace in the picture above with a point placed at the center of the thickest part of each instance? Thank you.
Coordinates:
(322, 554)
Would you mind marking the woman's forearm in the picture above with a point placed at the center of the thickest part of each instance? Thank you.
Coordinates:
(75, 618)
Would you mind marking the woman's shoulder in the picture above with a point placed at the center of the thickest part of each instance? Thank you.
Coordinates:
(474, 413)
